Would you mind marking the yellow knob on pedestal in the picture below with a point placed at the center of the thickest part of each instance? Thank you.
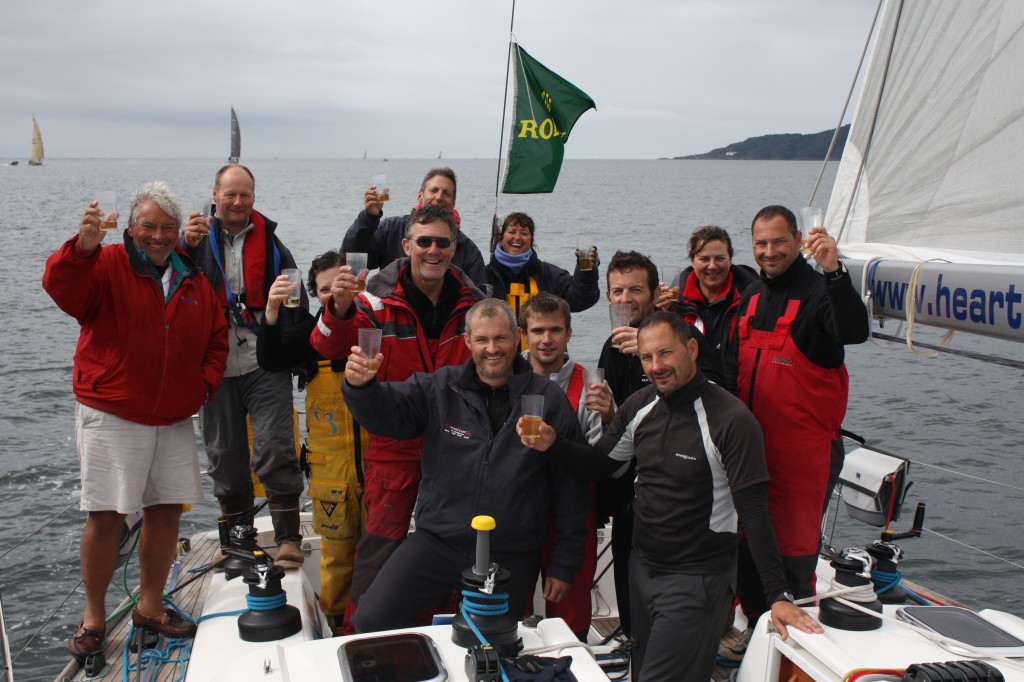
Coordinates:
(483, 523)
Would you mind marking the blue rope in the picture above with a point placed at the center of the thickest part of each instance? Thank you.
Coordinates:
(157, 658)
(471, 606)
(256, 603)
(891, 580)
(479, 608)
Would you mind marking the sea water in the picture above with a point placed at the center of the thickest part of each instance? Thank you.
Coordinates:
(956, 414)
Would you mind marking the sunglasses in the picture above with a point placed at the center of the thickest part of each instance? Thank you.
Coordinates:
(425, 242)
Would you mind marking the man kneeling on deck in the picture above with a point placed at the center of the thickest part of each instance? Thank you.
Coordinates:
(152, 349)
(700, 460)
(473, 464)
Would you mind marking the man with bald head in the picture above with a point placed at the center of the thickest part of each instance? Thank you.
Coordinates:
(240, 253)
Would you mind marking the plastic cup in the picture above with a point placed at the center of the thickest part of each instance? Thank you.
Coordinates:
(807, 219)
(619, 314)
(381, 182)
(670, 278)
(294, 299)
(202, 204)
(584, 260)
(533, 416)
(369, 343)
(591, 377)
(108, 204)
(357, 261)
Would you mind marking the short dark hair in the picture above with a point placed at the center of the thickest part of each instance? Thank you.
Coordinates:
(430, 213)
(544, 303)
(708, 233)
(774, 211)
(490, 308)
(224, 169)
(443, 171)
(325, 261)
(521, 219)
(680, 327)
(633, 260)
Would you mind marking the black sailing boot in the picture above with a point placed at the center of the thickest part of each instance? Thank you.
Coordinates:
(237, 511)
(284, 512)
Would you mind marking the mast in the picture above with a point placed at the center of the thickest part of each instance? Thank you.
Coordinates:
(495, 224)
(236, 139)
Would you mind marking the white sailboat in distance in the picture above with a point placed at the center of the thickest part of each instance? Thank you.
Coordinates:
(35, 155)
(236, 139)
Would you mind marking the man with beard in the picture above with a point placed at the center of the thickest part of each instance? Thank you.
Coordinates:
(701, 475)
(474, 463)
(632, 279)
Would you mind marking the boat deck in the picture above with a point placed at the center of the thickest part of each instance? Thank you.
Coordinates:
(189, 599)
(192, 596)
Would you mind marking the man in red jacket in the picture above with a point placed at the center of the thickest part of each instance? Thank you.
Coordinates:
(419, 303)
(151, 350)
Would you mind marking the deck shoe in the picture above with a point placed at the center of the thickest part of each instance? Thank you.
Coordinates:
(737, 650)
(169, 623)
(86, 642)
(289, 555)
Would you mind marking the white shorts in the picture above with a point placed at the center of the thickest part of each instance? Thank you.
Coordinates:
(126, 466)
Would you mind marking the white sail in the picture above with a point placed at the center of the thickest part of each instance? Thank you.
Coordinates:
(35, 156)
(933, 165)
(236, 139)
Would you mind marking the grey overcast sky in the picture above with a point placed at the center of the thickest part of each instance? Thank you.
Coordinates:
(403, 79)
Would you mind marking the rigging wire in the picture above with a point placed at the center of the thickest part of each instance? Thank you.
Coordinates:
(846, 104)
(992, 359)
(976, 549)
(37, 530)
(874, 121)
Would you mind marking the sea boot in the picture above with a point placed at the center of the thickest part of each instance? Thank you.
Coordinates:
(237, 511)
(284, 513)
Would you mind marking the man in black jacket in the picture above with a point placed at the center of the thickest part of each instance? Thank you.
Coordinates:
(787, 365)
(381, 238)
(473, 464)
(700, 474)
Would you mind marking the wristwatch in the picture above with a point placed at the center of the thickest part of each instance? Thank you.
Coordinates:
(836, 274)
(783, 596)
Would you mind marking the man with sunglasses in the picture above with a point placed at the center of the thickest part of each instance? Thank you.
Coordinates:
(382, 239)
(419, 302)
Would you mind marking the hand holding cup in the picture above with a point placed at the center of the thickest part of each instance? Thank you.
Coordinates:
(369, 344)
(89, 233)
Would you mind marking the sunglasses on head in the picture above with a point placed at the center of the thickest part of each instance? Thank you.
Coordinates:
(425, 242)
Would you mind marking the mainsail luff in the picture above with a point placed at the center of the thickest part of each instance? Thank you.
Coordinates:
(236, 139)
(35, 156)
(931, 168)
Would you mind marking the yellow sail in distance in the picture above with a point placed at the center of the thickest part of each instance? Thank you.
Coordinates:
(35, 156)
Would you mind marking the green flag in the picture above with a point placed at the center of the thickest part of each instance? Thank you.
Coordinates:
(547, 107)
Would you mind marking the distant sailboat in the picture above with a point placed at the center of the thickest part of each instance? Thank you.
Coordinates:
(439, 155)
(236, 139)
(364, 155)
(35, 156)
